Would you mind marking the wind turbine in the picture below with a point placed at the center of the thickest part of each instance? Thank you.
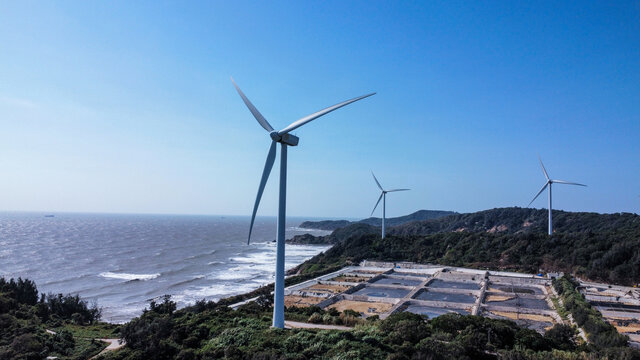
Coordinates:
(383, 197)
(549, 183)
(285, 139)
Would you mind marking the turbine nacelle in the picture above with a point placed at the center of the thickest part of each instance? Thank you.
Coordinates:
(286, 138)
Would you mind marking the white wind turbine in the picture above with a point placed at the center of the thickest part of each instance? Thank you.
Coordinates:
(285, 139)
(548, 183)
(383, 197)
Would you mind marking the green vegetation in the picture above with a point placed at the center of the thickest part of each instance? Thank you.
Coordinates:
(600, 333)
(559, 308)
(610, 256)
(519, 220)
(509, 220)
(211, 331)
(24, 316)
(374, 221)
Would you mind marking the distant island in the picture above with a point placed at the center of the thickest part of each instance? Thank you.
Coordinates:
(374, 221)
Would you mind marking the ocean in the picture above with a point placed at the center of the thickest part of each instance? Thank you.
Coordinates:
(123, 261)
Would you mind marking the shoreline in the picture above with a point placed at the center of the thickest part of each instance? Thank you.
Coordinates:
(122, 319)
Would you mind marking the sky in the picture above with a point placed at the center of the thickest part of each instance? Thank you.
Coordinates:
(128, 107)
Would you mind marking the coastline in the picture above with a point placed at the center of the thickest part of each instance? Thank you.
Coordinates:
(114, 318)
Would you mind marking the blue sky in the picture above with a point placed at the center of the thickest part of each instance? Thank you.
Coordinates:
(127, 106)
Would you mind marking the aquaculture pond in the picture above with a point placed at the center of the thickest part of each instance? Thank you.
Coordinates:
(415, 274)
(394, 281)
(446, 284)
(612, 306)
(531, 290)
(382, 292)
(432, 311)
(517, 301)
(442, 296)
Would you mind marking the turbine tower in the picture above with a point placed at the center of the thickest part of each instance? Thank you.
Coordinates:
(285, 139)
(383, 197)
(549, 183)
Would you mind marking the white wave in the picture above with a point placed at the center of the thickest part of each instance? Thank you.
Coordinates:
(234, 276)
(125, 276)
(256, 258)
(214, 292)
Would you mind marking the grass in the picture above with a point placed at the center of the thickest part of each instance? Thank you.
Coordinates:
(83, 348)
(87, 348)
(560, 309)
(93, 331)
(84, 336)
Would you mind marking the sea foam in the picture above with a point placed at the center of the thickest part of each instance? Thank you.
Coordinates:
(125, 276)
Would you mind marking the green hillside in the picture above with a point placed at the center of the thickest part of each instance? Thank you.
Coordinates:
(517, 220)
(601, 247)
(375, 221)
(26, 316)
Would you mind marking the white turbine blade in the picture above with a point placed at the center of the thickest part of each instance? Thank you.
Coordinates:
(398, 190)
(261, 120)
(374, 208)
(538, 194)
(543, 169)
(567, 182)
(296, 124)
(271, 157)
(377, 182)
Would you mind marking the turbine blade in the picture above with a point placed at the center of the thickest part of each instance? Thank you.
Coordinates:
(543, 169)
(271, 157)
(398, 190)
(261, 120)
(296, 124)
(538, 194)
(567, 182)
(377, 182)
(378, 202)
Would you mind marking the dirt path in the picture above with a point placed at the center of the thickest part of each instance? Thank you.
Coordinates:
(114, 344)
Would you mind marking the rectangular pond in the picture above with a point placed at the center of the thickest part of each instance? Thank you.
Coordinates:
(446, 284)
(382, 292)
(614, 306)
(516, 302)
(442, 296)
(415, 274)
(518, 289)
(402, 282)
(433, 312)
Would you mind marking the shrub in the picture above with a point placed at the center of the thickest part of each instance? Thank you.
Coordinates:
(315, 318)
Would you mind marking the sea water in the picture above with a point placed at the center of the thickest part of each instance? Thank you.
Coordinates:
(123, 261)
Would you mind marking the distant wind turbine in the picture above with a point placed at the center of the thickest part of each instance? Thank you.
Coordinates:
(383, 197)
(285, 139)
(548, 183)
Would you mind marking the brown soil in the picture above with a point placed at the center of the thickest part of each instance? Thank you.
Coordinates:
(533, 317)
(333, 289)
(301, 301)
(368, 272)
(353, 279)
(628, 325)
(498, 298)
(368, 308)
